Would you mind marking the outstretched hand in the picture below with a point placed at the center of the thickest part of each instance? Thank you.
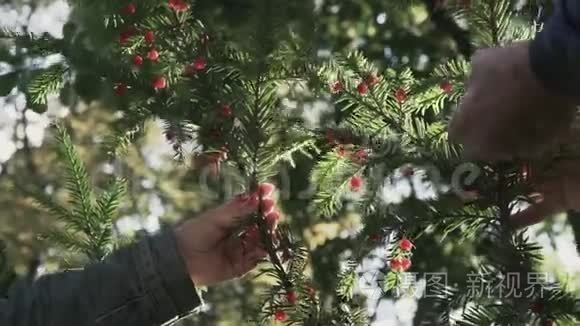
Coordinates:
(557, 192)
(506, 111)
(212, 251)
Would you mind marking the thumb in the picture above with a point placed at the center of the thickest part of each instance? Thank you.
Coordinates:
(232, 213)
(536, 213)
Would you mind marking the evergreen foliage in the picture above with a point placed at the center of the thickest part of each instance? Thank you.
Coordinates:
(88, 223)
(222, 92)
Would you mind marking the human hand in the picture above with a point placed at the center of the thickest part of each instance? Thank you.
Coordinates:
(211, 250)
(557, 191)
(506, 112)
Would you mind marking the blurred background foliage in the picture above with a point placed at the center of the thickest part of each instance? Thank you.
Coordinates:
(419, 34)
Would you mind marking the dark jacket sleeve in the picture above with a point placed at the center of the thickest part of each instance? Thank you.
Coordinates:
(140, 285)
(555, 53)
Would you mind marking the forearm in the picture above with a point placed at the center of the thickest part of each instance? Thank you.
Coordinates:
(144, 284)
(555, 53)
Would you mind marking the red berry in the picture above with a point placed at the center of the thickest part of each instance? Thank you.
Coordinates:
(149, 37)
(129, 9)
(361, 155)
(547, 322)
(199, 63)
(395, 264)
(405, 264)
(178, 5)
(120, 89)
(362, 88)
(153, 55)
(280, 315)
(291, 297)
(336, 87)
(372, 80)
(137, 60)
(125, 36)
(356, 183)
(400, 264)
(401, 95)
(406, 245)
(159, 82)
(226, 111)
(446, 87)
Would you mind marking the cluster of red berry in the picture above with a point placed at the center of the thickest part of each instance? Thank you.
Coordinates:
(401, 262)
(358, 156)
(344, 148)
(152, 54)
(371, 80)
(292, 298)
(363, 87)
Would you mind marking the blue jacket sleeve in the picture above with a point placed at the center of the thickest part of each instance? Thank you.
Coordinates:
(555, 53)
(144, 284)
